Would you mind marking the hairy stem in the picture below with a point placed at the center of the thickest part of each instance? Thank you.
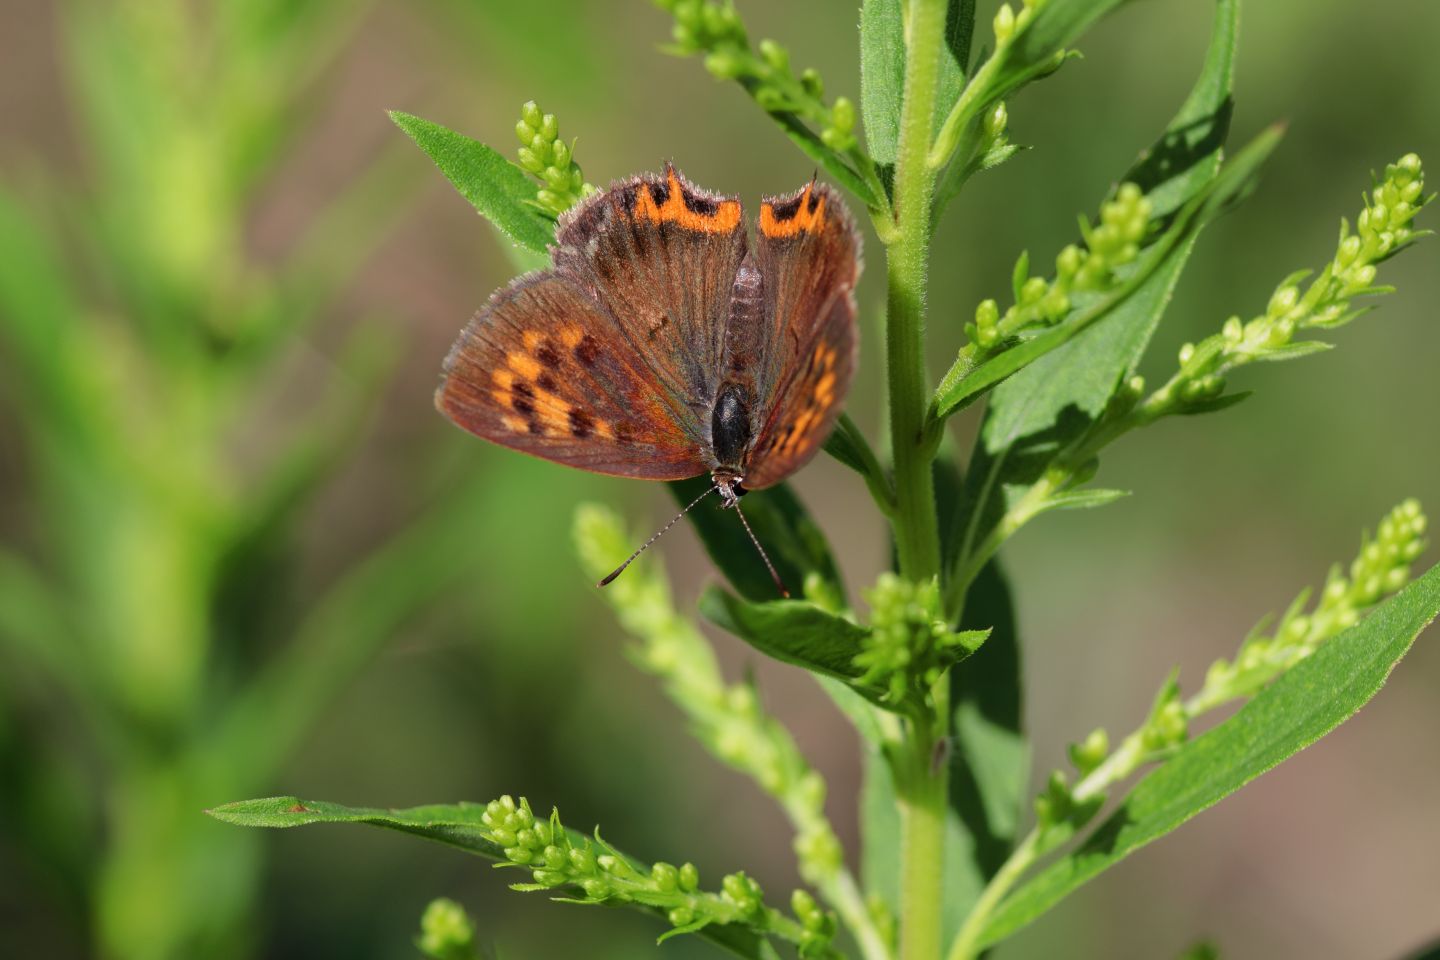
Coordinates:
(923, 788)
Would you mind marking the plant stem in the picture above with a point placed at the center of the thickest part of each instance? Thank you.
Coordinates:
(967, 944)
(922, 845)
(916, 528)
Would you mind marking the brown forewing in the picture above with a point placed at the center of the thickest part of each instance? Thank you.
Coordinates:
(661, 255)
(544, 369)
(803, 355)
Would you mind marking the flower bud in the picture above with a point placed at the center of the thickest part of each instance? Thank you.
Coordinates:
(1004, 24)
(665, 877)
(996, 120)
(774, 55)
(812, 84)
(724, 65)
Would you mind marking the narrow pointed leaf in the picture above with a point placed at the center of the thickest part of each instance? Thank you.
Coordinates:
(791, 631)
(500, 190)
(961, 387)
(882, 76)
(848, 445)
(1084, 372)
(456, 825)
(954, 56)
(1307, 702)
(1084, 499)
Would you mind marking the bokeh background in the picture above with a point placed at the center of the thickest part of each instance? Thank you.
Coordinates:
(241, 554)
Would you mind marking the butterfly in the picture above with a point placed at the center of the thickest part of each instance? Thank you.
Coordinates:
(659, 345)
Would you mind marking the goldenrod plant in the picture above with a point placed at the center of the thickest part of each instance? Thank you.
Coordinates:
(954, 860)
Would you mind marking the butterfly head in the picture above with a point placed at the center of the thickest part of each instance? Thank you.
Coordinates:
(731, 487)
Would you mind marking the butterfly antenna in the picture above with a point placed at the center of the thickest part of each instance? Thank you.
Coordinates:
(780, 584)
(661, 532)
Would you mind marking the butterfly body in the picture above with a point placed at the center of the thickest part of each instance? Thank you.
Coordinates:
(660, 345)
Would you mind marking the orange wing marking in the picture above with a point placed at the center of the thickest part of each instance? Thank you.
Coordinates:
(724, 218)
(807, 214)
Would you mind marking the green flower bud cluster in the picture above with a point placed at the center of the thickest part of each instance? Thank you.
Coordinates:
(714, 30)
(1382, 229)
(598, 873)
(550, 160)
(818, 923)
(728, 719)
(1381, 568)
(1110, 244)
(1062, 804)
(910, 646)
(446, 932)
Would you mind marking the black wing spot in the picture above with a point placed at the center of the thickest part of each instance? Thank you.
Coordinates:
(545, 382)
(625, 431)
(522, 398)
(659, 191)
(701, 205)
(813, 203)
(587, 351)
(547, 355)
(581, 425)
(786, 209)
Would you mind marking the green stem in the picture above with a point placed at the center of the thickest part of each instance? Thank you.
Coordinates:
(915, 524)
(967, 943)
(922, 843)
(916, 530)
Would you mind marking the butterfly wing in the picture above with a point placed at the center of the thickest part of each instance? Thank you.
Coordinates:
(661, 256)
(800, 345)
(543, 369)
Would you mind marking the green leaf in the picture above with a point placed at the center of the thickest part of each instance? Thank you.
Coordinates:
(792, 631)
(848, 445)
(1307, 702)
(990, 771)
(497, 188)
(1083, 499)
(456, 825)
(1146, 283)
(954, 56)
(1214, 404)
(882, 76)
(784, 528)
(1084, 372)
(1293, 351)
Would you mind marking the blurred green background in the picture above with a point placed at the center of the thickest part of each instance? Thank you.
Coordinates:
(240, 554)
